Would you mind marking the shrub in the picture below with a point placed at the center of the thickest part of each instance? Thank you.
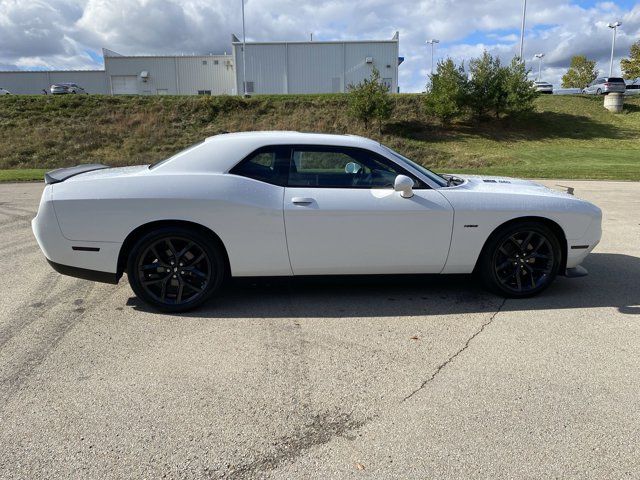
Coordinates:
(447, 94)
(487, 91)
(369, 100)
(521, 92)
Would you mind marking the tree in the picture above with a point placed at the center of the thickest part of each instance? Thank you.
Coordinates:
(447, 94)
(520, 90)
(581, 72)
(486, 86)
(369, 100)
(631, 66)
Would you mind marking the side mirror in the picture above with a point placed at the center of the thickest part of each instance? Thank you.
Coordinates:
(404, 185)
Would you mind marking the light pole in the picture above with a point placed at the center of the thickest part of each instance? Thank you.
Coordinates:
(244, 63)
(614, 26)
(524, 14)
(432, 42)
(539, 57)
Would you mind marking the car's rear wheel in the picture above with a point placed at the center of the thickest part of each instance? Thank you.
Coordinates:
(599, 92)
(521, 260)
(175, 269)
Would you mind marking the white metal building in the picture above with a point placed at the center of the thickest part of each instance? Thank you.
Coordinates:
(30, 83)
(169, 75)
(271, 67)
(314, 67)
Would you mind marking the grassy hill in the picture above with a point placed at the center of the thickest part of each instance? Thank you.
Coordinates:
(566, 137)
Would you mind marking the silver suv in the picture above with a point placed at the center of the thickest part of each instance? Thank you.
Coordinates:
(65, 88)
(604, 85)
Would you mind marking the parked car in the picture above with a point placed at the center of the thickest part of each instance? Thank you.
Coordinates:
(66, 88)
(633, 87)
(604, 85)
(289, 204)
(543, 87)
(4, 91)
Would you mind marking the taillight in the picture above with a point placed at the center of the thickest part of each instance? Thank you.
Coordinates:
(606, 84)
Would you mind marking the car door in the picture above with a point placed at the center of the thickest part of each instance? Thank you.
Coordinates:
(342, 216)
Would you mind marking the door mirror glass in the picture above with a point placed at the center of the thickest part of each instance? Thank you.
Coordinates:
(404, 185)
(352, 167)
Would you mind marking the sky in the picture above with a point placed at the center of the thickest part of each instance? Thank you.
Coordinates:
(69, 34)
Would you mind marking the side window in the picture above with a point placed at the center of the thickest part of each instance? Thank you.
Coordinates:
(268, 164)
(325, 167)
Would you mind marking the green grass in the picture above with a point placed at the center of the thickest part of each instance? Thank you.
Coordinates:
(22, 174)
(566, 137)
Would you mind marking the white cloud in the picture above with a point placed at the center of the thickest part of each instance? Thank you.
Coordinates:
(59, 33)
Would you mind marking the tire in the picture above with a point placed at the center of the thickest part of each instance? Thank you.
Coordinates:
(598, 92)
(512, 270)
(190, 269)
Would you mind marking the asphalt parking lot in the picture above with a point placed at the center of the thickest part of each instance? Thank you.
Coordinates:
(396, 378)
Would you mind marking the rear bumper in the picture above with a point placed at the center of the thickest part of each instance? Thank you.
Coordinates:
(93, 275)
(65, 255)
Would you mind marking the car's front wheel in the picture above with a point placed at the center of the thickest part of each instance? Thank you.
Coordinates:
(521, 260)
(175, 269)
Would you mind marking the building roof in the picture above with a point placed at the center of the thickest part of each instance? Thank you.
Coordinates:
(106, 53)
(236, 40)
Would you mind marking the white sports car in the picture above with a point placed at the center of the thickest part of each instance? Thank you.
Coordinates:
(289, 204)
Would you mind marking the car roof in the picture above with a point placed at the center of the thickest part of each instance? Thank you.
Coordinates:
(275, 137)
(220, 153)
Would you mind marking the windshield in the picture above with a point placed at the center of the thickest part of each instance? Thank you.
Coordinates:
(426, 172)
(157, 164)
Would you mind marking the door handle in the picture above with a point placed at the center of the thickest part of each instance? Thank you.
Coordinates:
(302, 201)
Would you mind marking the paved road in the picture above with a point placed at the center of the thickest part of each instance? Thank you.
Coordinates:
(414, 378)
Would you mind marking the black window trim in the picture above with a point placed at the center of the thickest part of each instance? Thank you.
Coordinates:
(420, 184)
(249, 157)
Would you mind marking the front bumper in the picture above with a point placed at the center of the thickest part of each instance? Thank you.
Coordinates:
(579, 248)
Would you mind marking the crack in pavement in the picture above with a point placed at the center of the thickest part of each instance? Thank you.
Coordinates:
(453, 357)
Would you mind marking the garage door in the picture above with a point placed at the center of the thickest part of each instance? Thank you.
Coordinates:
(124, 84)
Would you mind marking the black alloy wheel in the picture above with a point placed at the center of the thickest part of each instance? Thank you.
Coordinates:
(175, 269)
(522, 260)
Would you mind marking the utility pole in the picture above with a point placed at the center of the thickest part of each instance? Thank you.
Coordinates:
(614, 26)
(539, 57)
(524, 14)
(244, 63)
(432, 42)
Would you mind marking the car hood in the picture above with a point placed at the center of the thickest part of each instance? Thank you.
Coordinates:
(517, 186)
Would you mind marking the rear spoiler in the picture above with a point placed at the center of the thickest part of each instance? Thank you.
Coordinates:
(61, 174)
